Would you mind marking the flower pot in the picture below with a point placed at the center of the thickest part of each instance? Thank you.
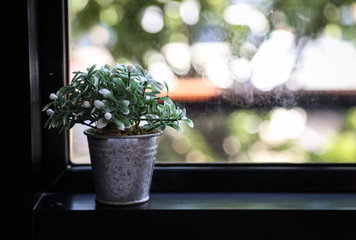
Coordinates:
(122, 167)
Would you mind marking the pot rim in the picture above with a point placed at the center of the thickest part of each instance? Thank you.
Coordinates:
(88, 133)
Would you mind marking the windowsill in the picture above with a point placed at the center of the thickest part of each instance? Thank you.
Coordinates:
(213, 199)
(198, 215)
(205, 201)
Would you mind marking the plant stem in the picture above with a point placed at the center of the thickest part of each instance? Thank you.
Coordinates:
(157, 120)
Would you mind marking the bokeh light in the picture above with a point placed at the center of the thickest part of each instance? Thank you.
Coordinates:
(152, 19)
(246, 14)
(283, 125)
(273, 61)
(189, 11)
(178, 55)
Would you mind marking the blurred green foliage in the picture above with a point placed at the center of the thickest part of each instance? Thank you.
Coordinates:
(342, 145)
(242, 142)
(309, 18)
(189, 145)
(129, 41)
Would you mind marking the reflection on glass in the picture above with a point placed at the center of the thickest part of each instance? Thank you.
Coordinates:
(259, 77)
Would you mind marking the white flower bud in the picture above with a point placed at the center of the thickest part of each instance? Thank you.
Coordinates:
(107, 116)
(99, 104)
(122, 127)
(129, 67)
(49, 112)
(126, 102)
(104, 92)
(53, 96)
(86, 104)
(127, 112)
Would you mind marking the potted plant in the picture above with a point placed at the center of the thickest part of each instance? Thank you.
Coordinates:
(126, 114)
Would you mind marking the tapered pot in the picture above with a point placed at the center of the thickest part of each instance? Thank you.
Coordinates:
(122, 167)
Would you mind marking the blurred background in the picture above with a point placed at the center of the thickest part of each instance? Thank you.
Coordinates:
(263, 80)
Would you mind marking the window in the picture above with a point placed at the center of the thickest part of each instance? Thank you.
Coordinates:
(51, 161)
(264, 81)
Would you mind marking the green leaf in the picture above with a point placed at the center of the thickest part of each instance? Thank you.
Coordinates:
(132, 98)
(155, 83)
(140, 69)
(92, 68)
(147, 126)
(150, 101)
(67, 89)
(124, 120)
(189, 122)
(160, 107)
(47, 106)
(118, 83)
(165, 84)
(120, 125)
(167, 100)
(164, 98)
(123, 108)
(65, 118)
(134, 86)
(76, 76)
(158, 85)
(62, 128)
(170, 108)
(162, 126)
(152, 94)
(119, 67)
(48, 123)
(140, 102)
(176, 127)
(182, 113)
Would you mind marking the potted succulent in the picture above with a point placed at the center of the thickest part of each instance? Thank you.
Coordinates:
(126, 114)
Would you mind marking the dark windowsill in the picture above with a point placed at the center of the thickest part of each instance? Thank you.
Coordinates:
(57, 202)
(214, 199)
(292, 201)
(198, 214)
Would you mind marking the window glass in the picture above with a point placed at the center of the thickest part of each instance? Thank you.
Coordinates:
(263, 80)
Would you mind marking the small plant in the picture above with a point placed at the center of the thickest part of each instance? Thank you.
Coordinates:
(121, 99)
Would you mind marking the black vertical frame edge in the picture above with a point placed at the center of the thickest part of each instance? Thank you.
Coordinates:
(48, 31)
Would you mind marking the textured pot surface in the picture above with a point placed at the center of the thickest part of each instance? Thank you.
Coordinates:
(122, 167)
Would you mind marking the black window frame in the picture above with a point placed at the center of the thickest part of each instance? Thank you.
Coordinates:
(53, 171)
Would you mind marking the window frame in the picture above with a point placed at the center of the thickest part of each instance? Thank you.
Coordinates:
(50, 56)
